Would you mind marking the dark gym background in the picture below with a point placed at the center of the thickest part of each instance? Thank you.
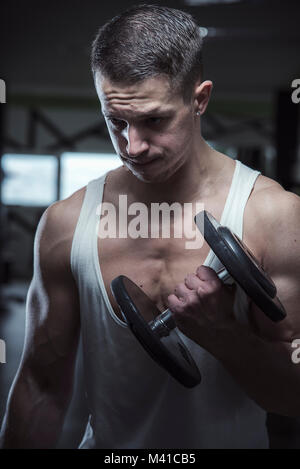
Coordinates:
(252, 56)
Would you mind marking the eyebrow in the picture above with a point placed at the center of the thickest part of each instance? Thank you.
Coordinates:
(151, 112)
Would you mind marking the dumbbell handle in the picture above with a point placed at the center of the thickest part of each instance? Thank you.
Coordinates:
(163, 324)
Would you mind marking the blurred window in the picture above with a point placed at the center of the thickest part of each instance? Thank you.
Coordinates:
(77, 169)
(32, 179)
(29, 179)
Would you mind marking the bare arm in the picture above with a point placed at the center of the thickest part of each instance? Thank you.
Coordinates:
(282, 261)
(42, 388)
(259, 361)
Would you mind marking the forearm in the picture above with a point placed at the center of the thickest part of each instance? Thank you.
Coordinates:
(33, 419)
(263, 369)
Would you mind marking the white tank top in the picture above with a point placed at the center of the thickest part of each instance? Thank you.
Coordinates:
(133, 402)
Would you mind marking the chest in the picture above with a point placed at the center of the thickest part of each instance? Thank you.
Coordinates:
(155, 265)
(156, 261)
(165, 252)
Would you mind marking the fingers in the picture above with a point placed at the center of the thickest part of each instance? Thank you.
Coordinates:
(204, 282)
(207, 273)
(203, 274)
(192, 281)
(181, 290)
(175, 304)
(199, 302)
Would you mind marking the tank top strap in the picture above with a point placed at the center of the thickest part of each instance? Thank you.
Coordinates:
(86, 222)
(241, 187)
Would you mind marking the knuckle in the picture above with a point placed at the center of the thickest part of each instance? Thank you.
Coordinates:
(191, 276)
(217, 285)
(177, 310)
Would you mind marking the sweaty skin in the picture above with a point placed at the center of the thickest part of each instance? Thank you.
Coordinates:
(165, 159)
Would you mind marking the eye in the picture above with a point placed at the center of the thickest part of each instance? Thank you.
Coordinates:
(154, 120)
(118, 123)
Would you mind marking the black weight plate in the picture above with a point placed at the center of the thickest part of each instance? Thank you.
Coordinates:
(246, 258)
(242, 268)
(248, 261)
(170, 353)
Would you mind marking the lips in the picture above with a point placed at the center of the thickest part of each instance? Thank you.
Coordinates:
(141, 162)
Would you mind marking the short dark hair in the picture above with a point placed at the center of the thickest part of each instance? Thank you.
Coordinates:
(150, 40)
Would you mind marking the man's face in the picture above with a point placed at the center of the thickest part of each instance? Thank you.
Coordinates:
(151, 128)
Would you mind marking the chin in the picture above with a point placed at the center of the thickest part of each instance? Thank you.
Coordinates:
(148, 178)
(152, 178)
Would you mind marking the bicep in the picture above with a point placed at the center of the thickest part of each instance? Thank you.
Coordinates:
(52, 325)
(52, 316)
(287, 329)
(282, 263)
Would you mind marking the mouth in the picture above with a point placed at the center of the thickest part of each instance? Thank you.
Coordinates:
(141, 162)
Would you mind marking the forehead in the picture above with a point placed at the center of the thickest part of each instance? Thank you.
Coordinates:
(142, 97)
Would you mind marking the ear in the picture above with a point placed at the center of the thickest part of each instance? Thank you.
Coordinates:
(202, 94)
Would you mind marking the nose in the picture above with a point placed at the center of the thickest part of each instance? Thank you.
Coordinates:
(136, 142)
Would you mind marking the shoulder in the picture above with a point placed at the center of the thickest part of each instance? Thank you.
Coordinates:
(273, 214)
(56, 228)
(63, 214)
(270, 204)
(61, 217)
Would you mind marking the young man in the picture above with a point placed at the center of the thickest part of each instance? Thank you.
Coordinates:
(148, 76)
